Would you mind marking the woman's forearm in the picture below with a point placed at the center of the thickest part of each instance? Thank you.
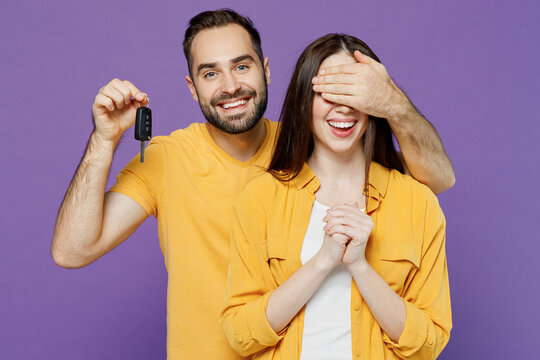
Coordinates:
(387, 307)
(285, 302)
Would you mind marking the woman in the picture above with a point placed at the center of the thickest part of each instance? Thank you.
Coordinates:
(335, 253)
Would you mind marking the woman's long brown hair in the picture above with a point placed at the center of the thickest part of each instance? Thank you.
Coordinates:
(294, 143)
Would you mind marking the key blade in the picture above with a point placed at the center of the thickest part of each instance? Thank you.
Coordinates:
(142, 152)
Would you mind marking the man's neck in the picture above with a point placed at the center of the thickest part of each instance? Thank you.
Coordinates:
(242, 146)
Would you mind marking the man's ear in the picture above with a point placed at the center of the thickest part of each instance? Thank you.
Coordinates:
(192, 89)
(266, 71)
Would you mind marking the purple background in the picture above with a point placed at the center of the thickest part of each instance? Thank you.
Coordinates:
(470, 66)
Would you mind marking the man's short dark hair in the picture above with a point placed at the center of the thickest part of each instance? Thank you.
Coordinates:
(219, 18)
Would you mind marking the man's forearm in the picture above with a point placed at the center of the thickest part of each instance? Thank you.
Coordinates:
(79, 221)
(421, 147)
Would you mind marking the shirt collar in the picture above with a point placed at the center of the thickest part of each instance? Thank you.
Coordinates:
(378, 182)
(305, 177)
(378, 179)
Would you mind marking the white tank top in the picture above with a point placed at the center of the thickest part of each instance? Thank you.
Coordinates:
(327, 321)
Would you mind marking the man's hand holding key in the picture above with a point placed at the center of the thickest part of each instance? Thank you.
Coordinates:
(115, 108)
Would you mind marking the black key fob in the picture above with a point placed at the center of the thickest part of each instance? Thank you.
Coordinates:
(143, 124)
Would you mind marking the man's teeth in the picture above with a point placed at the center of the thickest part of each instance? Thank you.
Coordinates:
(234, 104)
(342, 125)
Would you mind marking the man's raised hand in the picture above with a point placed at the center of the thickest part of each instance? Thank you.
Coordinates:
(364, 86)
(115, 107)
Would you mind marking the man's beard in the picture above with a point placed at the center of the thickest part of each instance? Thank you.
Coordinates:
(239, 123)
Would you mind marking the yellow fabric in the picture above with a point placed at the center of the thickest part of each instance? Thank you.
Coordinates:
(190, 184)
(406, 248)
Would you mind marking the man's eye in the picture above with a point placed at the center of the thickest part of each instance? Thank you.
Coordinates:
(210, 74)
(242, 67)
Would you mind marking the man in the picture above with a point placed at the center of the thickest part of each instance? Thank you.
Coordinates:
(190, 178)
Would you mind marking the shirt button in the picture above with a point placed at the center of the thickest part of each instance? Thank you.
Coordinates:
(357, 308)
(430, 340)
(357, 355)
(239, 339)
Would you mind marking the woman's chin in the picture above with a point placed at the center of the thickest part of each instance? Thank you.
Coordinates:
(343, 148)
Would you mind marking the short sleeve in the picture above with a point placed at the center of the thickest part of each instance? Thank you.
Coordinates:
(142, 181)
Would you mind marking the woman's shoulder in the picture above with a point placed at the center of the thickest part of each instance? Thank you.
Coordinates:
(404, 188)
(411, 205)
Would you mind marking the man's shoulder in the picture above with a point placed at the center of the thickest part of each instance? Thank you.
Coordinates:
(190, 137)
(273, 124)
(274, 128)
(193, 132)
(263, 180)
(196, 133)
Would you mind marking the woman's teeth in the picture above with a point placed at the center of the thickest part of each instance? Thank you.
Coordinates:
(234, 104)
(342, 125)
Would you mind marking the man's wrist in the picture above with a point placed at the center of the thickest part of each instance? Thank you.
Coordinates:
(100, 144)
(99, 150)
(401, 112)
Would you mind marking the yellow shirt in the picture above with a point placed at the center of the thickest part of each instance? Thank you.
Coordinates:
(189, 184)
(406, 248)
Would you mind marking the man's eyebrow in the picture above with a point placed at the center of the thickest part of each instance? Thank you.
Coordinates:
(232, 61)
(242, 58)
(206, 66)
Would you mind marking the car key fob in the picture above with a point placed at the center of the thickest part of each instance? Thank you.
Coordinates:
(143, 124)
(143, 127)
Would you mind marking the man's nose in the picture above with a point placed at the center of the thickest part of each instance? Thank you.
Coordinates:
(230, 84)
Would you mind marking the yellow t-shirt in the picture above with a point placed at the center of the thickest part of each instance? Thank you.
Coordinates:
(406, 248)
(189, 184)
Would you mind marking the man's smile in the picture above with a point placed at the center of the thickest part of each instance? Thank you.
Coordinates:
(234, 104)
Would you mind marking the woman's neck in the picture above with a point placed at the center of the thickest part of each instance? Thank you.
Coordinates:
(341, 176)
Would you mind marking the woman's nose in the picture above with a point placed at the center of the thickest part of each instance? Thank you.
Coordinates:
(343, 109)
